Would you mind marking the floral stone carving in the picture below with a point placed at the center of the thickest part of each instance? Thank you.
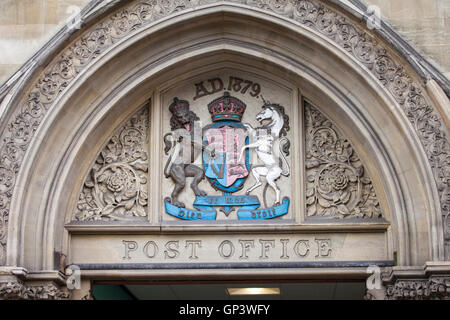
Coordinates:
(337, 184)
(19, 291)
(116, 187)
(436, 288)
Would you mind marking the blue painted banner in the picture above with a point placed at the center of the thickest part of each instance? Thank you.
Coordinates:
(262, 214)
(220, 201)
(248, 211)
(188, 214)
(226, 202)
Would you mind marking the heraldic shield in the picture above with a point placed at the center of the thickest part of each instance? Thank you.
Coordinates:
(226, 163)
(226, 136)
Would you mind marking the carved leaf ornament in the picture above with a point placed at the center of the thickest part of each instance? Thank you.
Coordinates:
(435, 288)
(19, 291)
(116, 188)
(337, 184)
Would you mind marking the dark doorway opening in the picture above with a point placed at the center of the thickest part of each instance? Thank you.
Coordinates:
(221, 291)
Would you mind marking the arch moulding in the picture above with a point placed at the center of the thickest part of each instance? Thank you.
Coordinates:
(60, 113)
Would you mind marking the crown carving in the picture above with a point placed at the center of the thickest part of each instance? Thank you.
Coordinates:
(226, 108)
(178, 105)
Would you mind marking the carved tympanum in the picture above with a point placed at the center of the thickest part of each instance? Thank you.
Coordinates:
(116, 187)
(136, 15)
(337, 184)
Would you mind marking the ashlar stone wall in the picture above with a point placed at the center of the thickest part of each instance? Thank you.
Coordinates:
(425, 24)
(26, 25)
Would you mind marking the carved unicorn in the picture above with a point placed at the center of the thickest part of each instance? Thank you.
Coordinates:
(264, 140)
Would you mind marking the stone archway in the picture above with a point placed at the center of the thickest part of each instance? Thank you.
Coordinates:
(58, 120)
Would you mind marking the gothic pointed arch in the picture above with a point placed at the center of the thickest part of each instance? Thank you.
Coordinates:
(81, 135)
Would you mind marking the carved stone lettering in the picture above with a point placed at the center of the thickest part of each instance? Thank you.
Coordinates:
(193, 245)
(301, 248)
(232, 249)
(129, 247)
(226, 249)
(216, 85)
(246, 245)
(201, 91)
(151, 246)
(171, 251)
(265, 247)
(284, 243)
(235, 84)
(323, 247)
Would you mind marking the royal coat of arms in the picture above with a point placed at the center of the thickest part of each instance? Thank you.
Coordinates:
(225, 147)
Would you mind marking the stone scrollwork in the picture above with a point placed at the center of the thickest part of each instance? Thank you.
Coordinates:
(116, 187)
(435, 288)
(19, 291)
(337, 184)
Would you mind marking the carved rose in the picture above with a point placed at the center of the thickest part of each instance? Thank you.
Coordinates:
(119, 181)
(337, 178)
(336, 184)
(116, 182)
(334, 179)
(116, 187)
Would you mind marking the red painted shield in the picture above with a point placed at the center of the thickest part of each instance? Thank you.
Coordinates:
(227, 141)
